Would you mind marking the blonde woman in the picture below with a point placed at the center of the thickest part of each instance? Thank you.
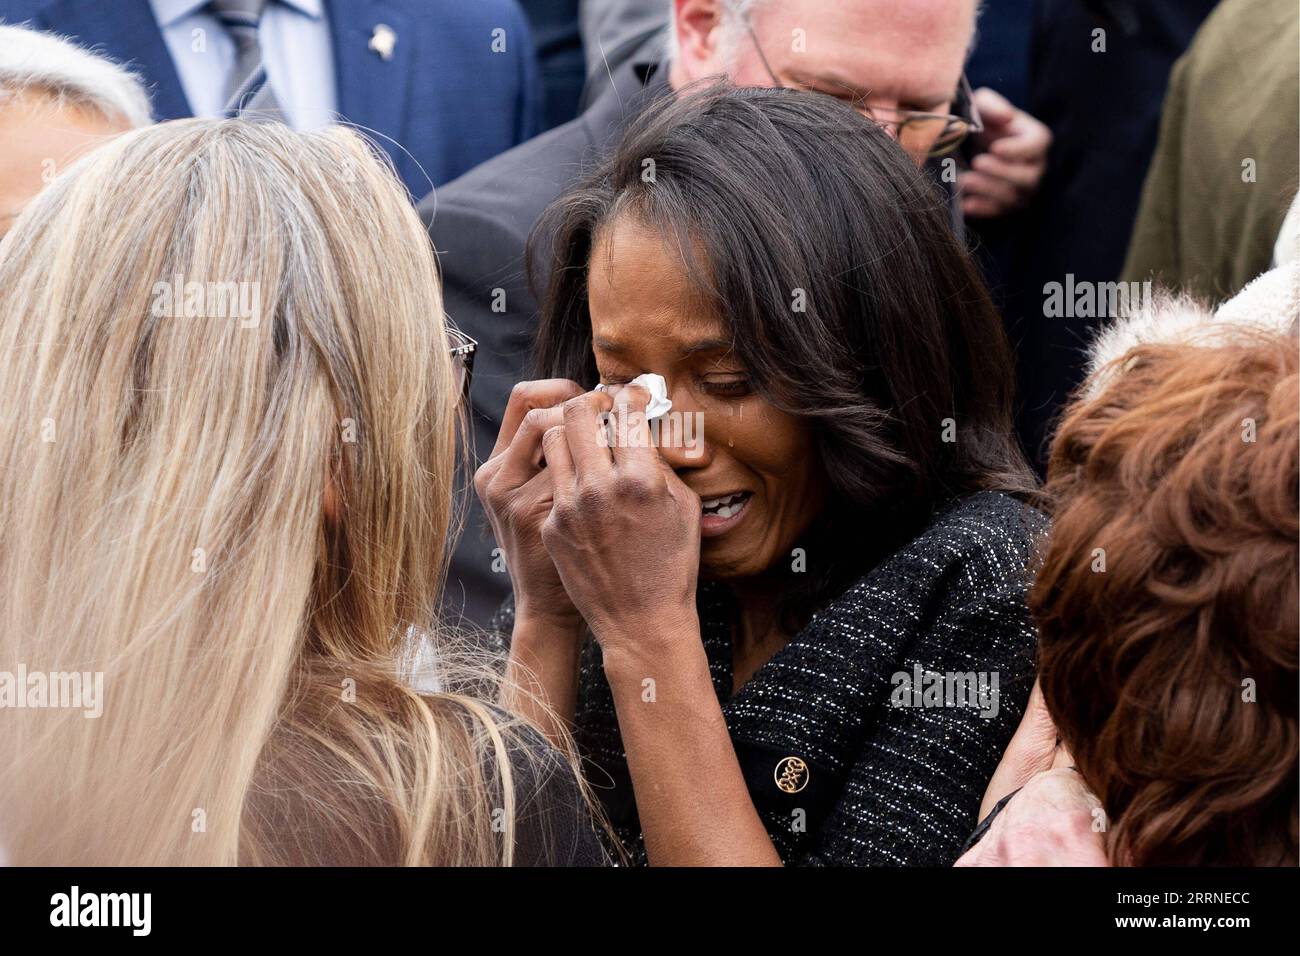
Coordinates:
(227, 461)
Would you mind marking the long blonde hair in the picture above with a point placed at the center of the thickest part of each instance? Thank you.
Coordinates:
(162, 481)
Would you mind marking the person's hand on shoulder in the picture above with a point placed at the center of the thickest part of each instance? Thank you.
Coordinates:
(1053, 821)
(1032, 750)
(1048, 817)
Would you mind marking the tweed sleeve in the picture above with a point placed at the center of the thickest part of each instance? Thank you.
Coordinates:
(954, 700)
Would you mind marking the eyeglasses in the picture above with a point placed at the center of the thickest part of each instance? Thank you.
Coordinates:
(462, 349)
(926, 135)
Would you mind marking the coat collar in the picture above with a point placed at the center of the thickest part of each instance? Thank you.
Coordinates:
(619, 97)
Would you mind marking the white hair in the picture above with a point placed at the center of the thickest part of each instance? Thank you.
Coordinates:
(1270, 302)
(32, 61)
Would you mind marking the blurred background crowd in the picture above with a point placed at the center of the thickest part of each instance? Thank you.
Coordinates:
(1083, 153)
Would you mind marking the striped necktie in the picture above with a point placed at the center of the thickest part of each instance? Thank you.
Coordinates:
(247, 90)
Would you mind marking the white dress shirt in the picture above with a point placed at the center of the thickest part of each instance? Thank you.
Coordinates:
(296, 49)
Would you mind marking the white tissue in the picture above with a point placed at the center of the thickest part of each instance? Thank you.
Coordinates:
(660, 404)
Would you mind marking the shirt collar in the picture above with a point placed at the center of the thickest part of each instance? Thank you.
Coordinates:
(168, 12)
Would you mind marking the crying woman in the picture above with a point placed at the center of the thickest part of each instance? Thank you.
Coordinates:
(720, 631)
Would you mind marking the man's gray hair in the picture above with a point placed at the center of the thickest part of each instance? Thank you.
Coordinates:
(36, 62)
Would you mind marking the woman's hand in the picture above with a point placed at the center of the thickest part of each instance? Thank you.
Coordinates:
(1053, 821)
(1032, 750)
(516, 491)
(624, 532)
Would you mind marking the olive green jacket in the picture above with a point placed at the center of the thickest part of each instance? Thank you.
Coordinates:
(1227, 164)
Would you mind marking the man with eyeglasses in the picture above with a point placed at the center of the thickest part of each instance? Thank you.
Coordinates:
(900, 62)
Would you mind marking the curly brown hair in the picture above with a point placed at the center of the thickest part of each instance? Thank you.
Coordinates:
(1167, 600)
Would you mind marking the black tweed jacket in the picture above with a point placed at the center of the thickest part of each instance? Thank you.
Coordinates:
(849, 758)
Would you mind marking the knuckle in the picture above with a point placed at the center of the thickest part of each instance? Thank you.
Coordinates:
(590, 495)
(575, 405)
(636, 486)
(533, 419)
(552, 436)
(516, 519)
(561, 520)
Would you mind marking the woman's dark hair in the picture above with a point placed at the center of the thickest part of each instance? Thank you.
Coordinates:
(851, 303)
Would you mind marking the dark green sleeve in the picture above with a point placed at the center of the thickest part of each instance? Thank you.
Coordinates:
(1153, 251)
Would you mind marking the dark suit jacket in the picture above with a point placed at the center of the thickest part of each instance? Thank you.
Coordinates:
(1104, 112)
(480, 224)
(448, 99)
(559, 54)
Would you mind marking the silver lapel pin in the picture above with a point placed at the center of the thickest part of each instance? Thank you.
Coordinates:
(382, 41)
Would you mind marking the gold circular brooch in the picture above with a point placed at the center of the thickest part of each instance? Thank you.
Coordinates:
(791, 775)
